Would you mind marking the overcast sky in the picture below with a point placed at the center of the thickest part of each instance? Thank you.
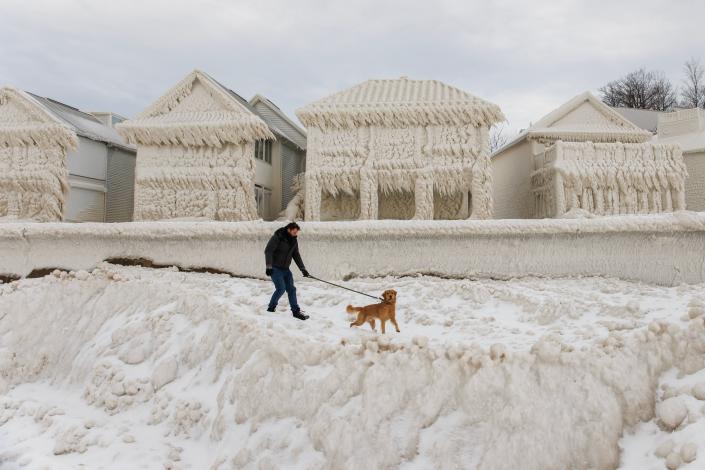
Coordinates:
(526, 56)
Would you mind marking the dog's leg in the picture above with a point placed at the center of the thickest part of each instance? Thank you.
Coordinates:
(394, 320)
(360, 320)
(371, 321)
(382, 322)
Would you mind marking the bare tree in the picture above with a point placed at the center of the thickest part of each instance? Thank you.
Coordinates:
(693, 91)
(497, 138)
(641, 89)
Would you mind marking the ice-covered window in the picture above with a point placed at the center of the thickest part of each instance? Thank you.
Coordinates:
(263, 150)
(263, 196)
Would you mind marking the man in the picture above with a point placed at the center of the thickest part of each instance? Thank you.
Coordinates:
(282, 247)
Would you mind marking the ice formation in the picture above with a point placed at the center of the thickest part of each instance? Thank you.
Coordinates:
(529, 374)
(609, 178)
(398, 149)
(33, 148)
(195, 155)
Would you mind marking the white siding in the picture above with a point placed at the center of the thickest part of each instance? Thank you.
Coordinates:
(121, 186)
(292, 164)
(511, 181)
(89, 160)
(270, 115)
(86, 203)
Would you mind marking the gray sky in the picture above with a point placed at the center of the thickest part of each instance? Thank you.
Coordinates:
(526, 56)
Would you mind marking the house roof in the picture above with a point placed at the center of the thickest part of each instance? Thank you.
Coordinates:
(644, 118)
(25, 121)
(196, 111)
(400, 101)
(293, 132)
(685, 127)
(83, 124)
(584, 118)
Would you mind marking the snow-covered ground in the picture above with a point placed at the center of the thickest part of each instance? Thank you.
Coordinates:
(142, 368)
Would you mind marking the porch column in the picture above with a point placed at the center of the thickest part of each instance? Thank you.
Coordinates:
(369, 203)
(423, 196)
(312, 195)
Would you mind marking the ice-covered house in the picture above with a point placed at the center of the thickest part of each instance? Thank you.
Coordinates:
(206, 152)
(686, 128)
(398, 149)
(59, 163)
(585, 155)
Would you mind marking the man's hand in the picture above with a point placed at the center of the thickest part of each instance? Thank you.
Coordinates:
(269, 271)
(305, 273)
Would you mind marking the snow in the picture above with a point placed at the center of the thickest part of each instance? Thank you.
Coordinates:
(129, 367)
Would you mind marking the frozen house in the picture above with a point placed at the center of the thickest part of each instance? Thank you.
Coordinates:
(586, 156)
(205, 152)
(686, 128)
(60, 163)
(398, 149)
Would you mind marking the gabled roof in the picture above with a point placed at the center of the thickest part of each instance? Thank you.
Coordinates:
(400, 102)
(644, 118)
(83, 124)
(24, 121)
(290, 131)
(196, 111)
(586, 118)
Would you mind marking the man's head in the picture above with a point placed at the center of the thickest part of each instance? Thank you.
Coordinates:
(293, 229)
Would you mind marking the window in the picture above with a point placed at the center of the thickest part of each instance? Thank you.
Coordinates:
(263, 150)
(262, 197)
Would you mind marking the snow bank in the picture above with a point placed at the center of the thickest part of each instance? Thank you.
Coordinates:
(665, 249)
(133, 366)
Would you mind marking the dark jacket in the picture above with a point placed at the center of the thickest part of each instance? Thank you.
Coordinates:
(281, 248)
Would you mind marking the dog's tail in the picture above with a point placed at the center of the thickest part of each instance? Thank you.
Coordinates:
(351, 309)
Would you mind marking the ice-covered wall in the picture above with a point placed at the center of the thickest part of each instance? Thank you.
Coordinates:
(376, 172)
(178, 181)
(33, 149)
(664, 249)
(695, 183)
(609, 178)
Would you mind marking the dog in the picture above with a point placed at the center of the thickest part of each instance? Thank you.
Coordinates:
(383, 311)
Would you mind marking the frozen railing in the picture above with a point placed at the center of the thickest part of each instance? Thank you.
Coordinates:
(609, 179)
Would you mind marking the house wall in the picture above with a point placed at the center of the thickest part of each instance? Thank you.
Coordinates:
(175, 181)
(89, 160)
(119, 205)
(695, 183)
(399, 163)
(511, 182)
(88, 167)
(33, 182)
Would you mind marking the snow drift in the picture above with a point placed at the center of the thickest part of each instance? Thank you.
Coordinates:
(125, 367)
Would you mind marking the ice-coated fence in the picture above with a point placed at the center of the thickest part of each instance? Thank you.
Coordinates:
(664, 249)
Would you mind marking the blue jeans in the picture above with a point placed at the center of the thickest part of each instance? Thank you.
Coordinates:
(283, 282)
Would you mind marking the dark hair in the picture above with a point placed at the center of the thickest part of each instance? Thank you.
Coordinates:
(292, 226)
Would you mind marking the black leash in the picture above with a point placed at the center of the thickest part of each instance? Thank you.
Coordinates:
(346, 288)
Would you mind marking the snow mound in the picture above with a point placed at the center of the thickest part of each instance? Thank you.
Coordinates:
(129, 367)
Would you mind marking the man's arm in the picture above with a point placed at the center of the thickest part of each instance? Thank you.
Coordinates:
(299, 262)
(269, 250)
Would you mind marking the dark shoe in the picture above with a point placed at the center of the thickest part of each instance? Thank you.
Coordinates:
(299, 315)
(271, 309)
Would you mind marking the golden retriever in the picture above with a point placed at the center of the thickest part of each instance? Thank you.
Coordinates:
(383, 311)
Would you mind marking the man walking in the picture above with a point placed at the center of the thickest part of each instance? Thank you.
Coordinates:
(282, 247)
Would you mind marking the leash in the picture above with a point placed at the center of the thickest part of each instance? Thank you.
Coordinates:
(347, 288)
